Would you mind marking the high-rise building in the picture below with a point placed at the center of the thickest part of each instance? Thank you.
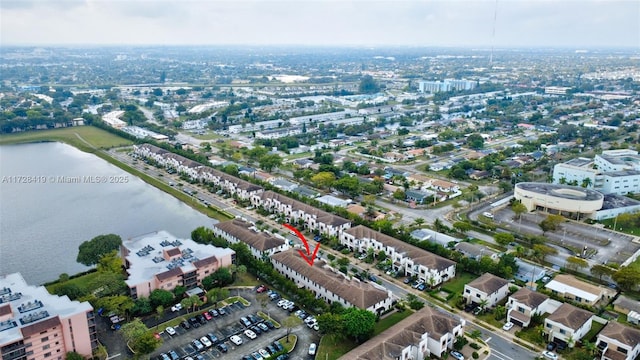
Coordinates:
(37, 325)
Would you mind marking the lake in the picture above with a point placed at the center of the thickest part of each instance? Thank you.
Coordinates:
(54, 196)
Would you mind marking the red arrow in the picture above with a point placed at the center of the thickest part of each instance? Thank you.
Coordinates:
(308, 257)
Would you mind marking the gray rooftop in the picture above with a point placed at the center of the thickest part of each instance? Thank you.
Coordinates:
(613, 201)
(561, 191)
(31, 305)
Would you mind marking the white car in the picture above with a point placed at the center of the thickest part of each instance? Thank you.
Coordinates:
(488, 214)
(237, 340)
(176, 307)
(205, 341)
(264, 353)
(282, 302)
(550, 355)
(312, 349)
(507, 326)
(171, 331)
(250, 334)
(311, 324)
(309, 319)
(456, 355)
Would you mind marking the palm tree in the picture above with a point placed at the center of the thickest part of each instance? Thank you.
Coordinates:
(418, 222)
(586, 182)
(563, 180)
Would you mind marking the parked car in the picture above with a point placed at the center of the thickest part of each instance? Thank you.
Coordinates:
(245, 322)
(312, 349)
(214, 313)
(250, 334)
(197, 345)
(237, 340)
(185, 325)
(171, 331)
(214, 339)
(550, 355)
(263, 327)
(487, 215)
(174, 355)
(222, 311)
(206, 342)
(207, 316)
(261, 289)
(478, 310)
(224, 348)
(256, 356)
(201, 319)
(551, 346)
(456, 355)
(176, 307)
(507, 326)
(278, 346)
(271, 349)
(270, 325)
(264, 353)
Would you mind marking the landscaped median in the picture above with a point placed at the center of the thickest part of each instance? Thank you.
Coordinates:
(289, 342)
(268, 318)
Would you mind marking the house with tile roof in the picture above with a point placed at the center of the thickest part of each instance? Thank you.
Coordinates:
(427, 333)
(406, 258)
(629, 307)
(618, 342)
(525, 303)
(578, 291)
(331, 285)
(261, 243)
(487, 290)
(567, 325)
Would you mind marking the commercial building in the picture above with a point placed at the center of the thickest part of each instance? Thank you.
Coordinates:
(578, 291)
(559, 198)
(262, 244)
(331, 285)
(487, 290)
(37, 325)
(406, 258)
(618, 342)
(567, 325)
(426, 334)
(446, 85)
(161, 261)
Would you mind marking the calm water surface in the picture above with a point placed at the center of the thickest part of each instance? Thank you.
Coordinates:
(43, 222)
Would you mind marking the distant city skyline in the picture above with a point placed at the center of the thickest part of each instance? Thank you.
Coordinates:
(527, 23)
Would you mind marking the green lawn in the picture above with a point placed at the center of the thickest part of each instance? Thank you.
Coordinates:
(532, 335)
(456, 286)
(86, 283)
(94, 136)
(269, 318)
(595, 329)
(245, 279)
(390, 320)
(331, 348)
(289, 345)
(233, 299)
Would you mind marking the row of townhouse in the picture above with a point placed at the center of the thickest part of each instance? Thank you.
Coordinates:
(262, 244)
(330, 285)
(427, 333)
(406, 258)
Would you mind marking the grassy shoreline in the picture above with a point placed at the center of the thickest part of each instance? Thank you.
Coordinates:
(94, 141)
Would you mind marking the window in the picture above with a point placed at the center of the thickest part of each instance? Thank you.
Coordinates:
(468, 291)
(622, 350)
(46, 338)
(562, 331)
(548, 325)
(47, 354)
(521, 309)
(46, 347)
(477, 295)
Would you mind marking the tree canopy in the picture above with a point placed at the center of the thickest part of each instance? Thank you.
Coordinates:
(368, 85)
(90, 252)
(358, 323)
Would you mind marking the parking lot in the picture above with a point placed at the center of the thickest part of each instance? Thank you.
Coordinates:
(225, 326)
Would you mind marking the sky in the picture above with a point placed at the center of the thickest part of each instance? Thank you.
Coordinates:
(456, 23)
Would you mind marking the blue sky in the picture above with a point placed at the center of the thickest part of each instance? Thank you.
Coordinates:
(470, 23)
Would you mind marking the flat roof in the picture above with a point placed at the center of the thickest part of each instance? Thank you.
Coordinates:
(579, 162)
(31, 305)
(146, 258)
(613, 201)
(566, 288)
(561, 191)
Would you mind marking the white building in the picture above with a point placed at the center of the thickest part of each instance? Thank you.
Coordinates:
(487, 290)
(426, 334)
(567, 325)
(524, 304)
(262, 244)
(408, 259)
(331, 285)
(618, 342)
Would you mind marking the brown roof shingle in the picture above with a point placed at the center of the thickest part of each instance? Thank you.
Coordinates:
(530, 298)
(259, 240)
(359, 294)
(169, 274)
(570, 316)
(40, 326)
(488, 283)
(624, 334)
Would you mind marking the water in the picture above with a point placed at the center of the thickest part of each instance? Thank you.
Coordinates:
(42, 224)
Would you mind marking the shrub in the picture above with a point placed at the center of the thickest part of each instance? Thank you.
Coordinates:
(475, 346)
(475, 355)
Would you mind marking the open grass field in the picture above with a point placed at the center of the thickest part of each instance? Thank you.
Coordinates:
(332, 347)
(390, 320)
(95, 137)
(456, 286)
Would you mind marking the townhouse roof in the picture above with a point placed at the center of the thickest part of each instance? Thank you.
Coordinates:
(569, 284)
(321, 215)
(488, 283)
(40, 326)
(627, 303)
(389, 344)
(247, 233)
(473, 249)
(169, 274)
(624, 334)
(359, 294)
(570, 316)
(528, 297)
(418, 255)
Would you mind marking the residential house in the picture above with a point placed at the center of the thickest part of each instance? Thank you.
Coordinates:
(524, 304)
(406, 258)
(578, 291)
(261, 243)
(331, 285)
(475, 252)
(417, 196)
(628, 306)
(487, 290)
(445, 186)
(567, 325)
(283, 184)
(303, 163)
(618, 342)
(528, 272)
(479, 174)
(161, 261)
(427, 333)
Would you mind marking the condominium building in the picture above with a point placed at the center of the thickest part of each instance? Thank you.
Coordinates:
(426, 334)
(37, 325)
(331, 285)
(161, 261)
(262, 244)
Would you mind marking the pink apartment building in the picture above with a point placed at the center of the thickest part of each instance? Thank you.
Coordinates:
(161, 261)
(37, 325)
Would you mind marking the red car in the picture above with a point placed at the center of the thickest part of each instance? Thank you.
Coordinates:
(261, 288)
(207, 316)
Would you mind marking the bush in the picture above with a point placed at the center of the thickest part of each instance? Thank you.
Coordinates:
(475, 346)
(475, 355)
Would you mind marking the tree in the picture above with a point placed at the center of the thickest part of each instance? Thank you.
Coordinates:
(330, 323)
(222, 277)
(368, 85)
(551, 223)
(540, 251)
(110, 262)
(161, 297)
(475, 141)
(90, 252)
(216, 295)
(627, 278)
(586, 182)
(414, 302)
(72, 355)
(575, 263)
(270, 161)
(159, 314)
(399, 194)
(290, 322)
(141, 306)
(323, 179)
(503, 238)
(500, 312)
(358, 323)
(462, 226)
(518, 208)
(418, 222)
(601, 270)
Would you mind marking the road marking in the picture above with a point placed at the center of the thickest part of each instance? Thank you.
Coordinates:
(113, 356)
(501, 355)
(488, 339)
